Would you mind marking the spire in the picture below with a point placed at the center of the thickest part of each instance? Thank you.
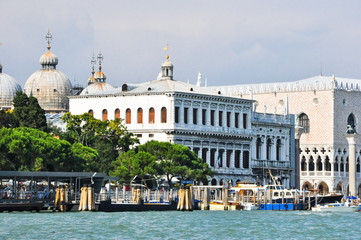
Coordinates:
(93, 61)
(49, 38)
(100, 76)
(199, 81)
(167, 67)
(100, 60)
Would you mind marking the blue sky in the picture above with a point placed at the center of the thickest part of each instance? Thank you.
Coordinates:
(230, 42)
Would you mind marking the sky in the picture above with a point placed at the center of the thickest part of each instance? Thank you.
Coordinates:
(229, 42)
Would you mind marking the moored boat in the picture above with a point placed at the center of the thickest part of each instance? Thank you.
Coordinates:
(336, 207)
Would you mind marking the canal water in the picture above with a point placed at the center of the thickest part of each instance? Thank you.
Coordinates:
(181, 225)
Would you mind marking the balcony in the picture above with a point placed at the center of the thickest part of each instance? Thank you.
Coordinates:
(270, 164)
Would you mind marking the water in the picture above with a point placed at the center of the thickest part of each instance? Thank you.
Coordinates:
(181, 225)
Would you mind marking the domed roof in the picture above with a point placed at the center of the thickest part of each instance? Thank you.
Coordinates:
(91, 80)
(49, 59)
(100, 76)
(50, 86)
(97, 87)
(167, 63)
(8, 88)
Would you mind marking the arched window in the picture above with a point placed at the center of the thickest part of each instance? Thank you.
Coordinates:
(105, 115)
(347, 164)
(214, 182)
(117, 114)
(327, 164)
(304, 122)
(342, 165)
(91, 112)
(278, 149)
(358, 166)
(335, 165)
(319, 164)
(128, 116)
(237, 160)
(245, 159)
(151, 115)
(351, 121)
(140, 115)
(164, 115)
(258, 148)
(303, 164)
(311, 164)
(269, 148)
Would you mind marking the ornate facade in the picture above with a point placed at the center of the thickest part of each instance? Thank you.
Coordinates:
(222, 130)
(324, 108)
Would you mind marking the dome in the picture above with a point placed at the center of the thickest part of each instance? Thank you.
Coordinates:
(97, 87)
(49, 59)
(100, 76)
(8, 88)
(167, 63)
(51, 87)
(91, 80)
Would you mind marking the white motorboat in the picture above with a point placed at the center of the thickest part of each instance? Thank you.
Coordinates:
(249, 207)
(336, 207)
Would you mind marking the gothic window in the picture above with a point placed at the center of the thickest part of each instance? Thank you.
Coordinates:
(311, 164)
(245, 159)
(335, 165)
(278, 149)
(342, 166)
(347, 164)
(303, 164)
(258, 148)
(140, 115)
(151, 115)
(91, 112)
(128, 116)
(351, 121)
(117, 114)
(185, 115)
(237, 158)
(358, 165)
(105, 115)
(269, 147)
(319, 164)
(304, 122)
(195, 115)
(327, 164)
(164, 115)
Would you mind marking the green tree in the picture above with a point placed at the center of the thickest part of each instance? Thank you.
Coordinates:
(108, 138)
(7, 119)
(28, 113)
(172, 161)
(131, 163)
(30, 149)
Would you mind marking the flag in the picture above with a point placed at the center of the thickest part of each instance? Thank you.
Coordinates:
(166, 48)
(219, 160)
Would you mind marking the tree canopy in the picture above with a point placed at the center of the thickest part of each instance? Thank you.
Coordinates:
(108, 138)
(161, 159)
(28, 113)
(30, 149)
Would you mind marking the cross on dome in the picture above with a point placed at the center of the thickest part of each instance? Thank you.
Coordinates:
(49, 38)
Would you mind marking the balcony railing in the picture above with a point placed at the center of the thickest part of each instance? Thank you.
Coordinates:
(270, 164)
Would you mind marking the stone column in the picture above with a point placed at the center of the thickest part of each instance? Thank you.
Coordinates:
(298, 133)
(352, 163)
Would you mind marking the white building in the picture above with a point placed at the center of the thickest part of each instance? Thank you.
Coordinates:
(323, 106)
(222, 130)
